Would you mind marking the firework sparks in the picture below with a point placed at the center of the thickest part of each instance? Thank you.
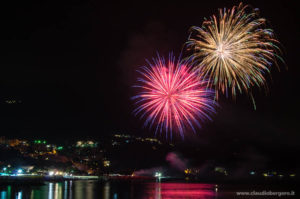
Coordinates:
(234, 50)
(172, 96)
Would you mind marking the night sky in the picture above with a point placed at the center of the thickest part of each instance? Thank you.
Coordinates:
(70, 67)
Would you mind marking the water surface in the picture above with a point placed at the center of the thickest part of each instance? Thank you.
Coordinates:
(90, 189)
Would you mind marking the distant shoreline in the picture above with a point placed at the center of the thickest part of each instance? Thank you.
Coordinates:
(40, 180)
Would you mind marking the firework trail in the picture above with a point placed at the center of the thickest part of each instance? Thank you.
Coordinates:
(234, 50)
(172, 96)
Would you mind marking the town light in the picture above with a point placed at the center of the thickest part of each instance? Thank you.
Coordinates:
(158, 174)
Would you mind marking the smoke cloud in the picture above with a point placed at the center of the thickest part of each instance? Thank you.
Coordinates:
(176, 162)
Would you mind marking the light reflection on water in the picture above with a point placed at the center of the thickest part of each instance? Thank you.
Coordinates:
(108, 190)
(180, 190)
(89, 189)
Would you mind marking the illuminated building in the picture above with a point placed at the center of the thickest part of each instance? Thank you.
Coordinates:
(106, 163)
(84, 144)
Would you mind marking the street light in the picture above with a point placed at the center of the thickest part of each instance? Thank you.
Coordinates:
(19, 171)
(158, 175)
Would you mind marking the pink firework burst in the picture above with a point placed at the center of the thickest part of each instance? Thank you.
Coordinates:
(173, 96)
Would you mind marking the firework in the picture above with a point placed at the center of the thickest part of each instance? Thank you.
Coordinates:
(172, 96)
(234, 51)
